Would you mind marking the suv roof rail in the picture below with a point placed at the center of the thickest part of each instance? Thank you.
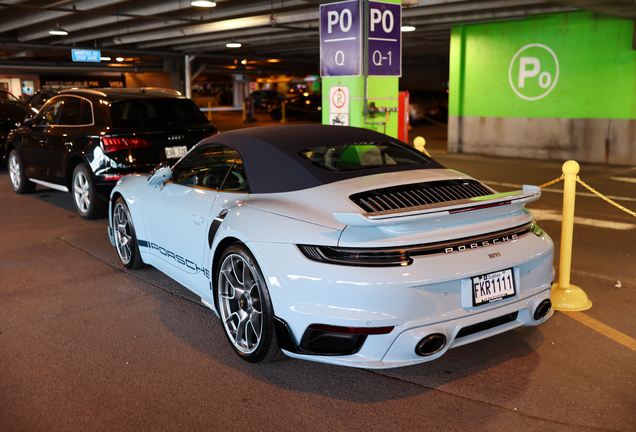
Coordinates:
(63, 86)
(159, 89)
(97, 92)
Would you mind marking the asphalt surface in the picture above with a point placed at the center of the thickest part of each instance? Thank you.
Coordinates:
(86, 345)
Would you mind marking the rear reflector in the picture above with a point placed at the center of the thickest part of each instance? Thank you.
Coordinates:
(110, 144)
(113, 177)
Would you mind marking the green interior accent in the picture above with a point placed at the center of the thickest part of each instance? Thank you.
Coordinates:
(597, 67)
(494, 196)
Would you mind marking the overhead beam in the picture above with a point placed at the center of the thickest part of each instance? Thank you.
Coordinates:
(232, 24)
(136, 26)
(116, 15)
(28, 15)
(26, 67)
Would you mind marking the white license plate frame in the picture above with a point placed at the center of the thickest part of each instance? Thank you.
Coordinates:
(176, 152)
(493, 287)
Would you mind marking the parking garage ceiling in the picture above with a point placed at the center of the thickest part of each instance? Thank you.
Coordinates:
(276, 37)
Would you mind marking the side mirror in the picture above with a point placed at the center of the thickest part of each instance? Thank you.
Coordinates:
(28, 121)
(161, 174)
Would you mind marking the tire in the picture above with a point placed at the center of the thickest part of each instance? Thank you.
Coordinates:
(19, 181)
(87, 203)
(125, 236)
(245, 306)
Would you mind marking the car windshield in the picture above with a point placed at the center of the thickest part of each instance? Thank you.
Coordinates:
(156, 113)
(357, 156)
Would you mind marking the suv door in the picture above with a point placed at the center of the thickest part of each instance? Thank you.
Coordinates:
(62, 136)
(34, 140)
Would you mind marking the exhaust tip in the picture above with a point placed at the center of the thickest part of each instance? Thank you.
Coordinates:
(430, 345)
(542, 310)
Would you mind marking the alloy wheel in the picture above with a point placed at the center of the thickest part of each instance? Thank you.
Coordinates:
(14, 171)
(123, 232)
(240, 303)
(81, 192)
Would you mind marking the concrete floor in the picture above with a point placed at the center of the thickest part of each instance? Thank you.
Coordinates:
(88, 345)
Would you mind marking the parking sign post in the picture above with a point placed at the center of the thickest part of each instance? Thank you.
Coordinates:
(344, 60)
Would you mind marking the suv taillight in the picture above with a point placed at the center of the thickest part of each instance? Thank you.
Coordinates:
(110, 144)
(210, 134)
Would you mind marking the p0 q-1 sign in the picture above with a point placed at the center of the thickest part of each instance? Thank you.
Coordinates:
(385, 39)
(340, 39)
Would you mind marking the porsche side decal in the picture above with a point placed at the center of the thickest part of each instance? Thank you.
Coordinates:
(177, 258)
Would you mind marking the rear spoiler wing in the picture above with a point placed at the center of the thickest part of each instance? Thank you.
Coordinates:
(393, 217)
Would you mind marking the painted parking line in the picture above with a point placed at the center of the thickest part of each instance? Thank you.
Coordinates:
(585, 194)
(624, 179)
(603, 329)
(554, 215)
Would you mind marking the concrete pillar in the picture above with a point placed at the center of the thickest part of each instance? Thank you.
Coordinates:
(238, 89)
(188, 75)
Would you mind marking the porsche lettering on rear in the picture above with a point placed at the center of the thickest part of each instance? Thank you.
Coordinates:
(485, 243)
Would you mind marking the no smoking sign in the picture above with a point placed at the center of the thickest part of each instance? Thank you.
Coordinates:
(339, 105)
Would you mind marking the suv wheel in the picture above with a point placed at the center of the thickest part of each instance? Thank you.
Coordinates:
(87, 203)
(19, 181)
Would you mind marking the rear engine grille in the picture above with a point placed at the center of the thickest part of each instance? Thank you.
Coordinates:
(419, 194)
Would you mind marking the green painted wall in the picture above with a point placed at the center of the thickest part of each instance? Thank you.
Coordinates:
(596, 68)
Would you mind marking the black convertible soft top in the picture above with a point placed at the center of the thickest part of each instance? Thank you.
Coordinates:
(272, 163)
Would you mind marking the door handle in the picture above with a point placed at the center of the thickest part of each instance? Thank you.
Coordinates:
(197, 220)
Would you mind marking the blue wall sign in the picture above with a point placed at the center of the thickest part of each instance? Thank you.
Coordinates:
(340, 39)
(385, 39)
(80, 55)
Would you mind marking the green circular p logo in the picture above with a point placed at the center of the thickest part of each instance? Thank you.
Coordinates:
(533, 72)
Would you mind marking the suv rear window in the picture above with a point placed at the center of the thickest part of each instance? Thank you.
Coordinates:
(357, 156)
(146, 113)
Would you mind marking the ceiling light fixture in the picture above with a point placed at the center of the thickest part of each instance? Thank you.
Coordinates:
(407, 28)
(104, 58)
(58, 32)
(233, 45)
(120, 59)
(202, 3)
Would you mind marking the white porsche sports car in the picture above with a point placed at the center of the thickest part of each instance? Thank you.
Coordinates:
(337, 244)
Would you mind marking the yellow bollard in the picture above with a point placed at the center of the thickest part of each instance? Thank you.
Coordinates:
(420, 144)
(209, 111)
(282, 106)
(565, 296)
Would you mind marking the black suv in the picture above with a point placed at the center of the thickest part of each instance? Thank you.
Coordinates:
(12, 114)
(84, 140)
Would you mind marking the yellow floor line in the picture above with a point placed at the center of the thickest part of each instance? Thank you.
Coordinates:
(603, 329)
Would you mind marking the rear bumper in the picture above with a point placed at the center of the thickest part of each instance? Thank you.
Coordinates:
(401, 351)
(433, 295)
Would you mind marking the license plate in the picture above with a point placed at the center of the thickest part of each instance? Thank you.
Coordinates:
(176, 152)
(492, 287)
